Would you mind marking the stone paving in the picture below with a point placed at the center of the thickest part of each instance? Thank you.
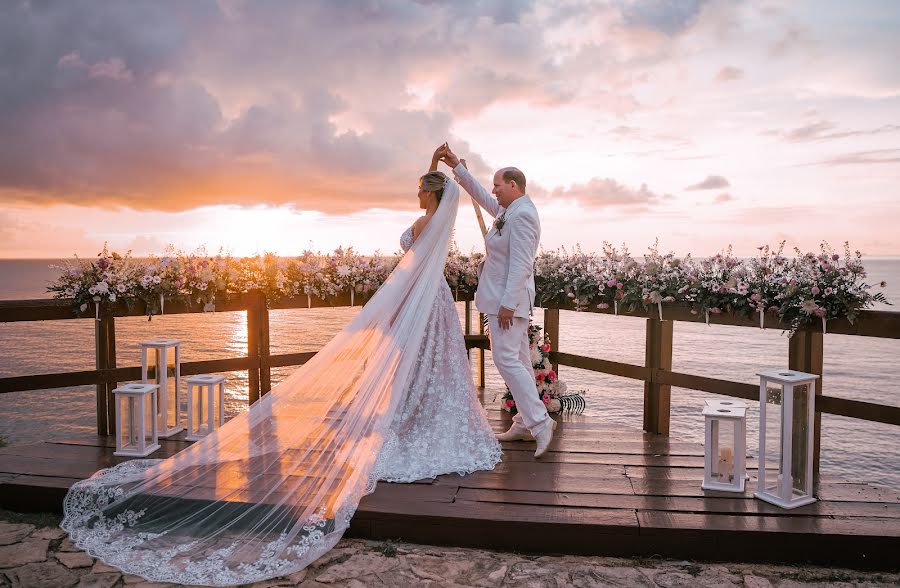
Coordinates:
(36, 554)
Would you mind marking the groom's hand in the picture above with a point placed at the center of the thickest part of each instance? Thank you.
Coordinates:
(447, 155)
(505, 318)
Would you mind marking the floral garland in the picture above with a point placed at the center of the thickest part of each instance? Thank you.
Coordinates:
(550, 389)
(800, 291)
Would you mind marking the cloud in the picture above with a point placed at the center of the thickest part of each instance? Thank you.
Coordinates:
(663, 15)
(876, 157)
(823, 130)
(723, 197)
(729, 74)
(710, 183)
(606, 192)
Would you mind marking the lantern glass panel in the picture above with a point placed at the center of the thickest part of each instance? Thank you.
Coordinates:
(172, 392)
(148, 407)
(129, 407)
(800, 440)
(774, 436)
(723, 460)
(199, 408)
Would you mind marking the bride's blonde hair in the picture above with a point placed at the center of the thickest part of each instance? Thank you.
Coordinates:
(434, 182)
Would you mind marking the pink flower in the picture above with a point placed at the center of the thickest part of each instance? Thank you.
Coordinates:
(756, 297)
(815, 290)
(546, 399)
(611, 283)
(715, 311)
(820, 312)
(828, 291)
(618, 285)
(835, 257)
(539, 376)
(603, 305)
(546, 348)
(552, 376)
(510, 404)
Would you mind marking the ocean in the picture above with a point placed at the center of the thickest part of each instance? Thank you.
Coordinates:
(857, 368)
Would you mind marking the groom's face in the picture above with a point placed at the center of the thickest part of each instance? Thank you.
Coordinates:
(505, 191)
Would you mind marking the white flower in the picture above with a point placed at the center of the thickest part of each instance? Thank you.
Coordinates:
(102, 288)
(121, 288)
(112, 297)
(343, 271)
(157, 279)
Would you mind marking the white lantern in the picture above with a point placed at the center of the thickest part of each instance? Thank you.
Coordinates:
(724, 463)
(160, 355)
(786, 412)
(136, 432)
(206, 405)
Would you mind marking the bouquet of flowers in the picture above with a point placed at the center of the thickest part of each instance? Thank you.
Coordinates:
(461, 271)
(551, 391)
(660, 278)
(109, 278)
(825, 286)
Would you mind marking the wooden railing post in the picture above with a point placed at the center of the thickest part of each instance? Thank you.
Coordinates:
(806, 353)
(105, 355)
(265, 362)
(551, 329)
(468, 326)
(481, 352)
(253, 320)
(657, 397)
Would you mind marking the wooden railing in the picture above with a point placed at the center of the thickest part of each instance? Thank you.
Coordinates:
(805, 353)
(258, 362)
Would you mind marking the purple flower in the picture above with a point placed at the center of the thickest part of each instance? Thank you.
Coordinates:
(815, 290)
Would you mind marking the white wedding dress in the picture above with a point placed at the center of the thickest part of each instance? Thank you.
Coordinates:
(440, 426)
(390, 397)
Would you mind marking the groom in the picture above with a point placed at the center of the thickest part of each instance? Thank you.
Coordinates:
(506, 292)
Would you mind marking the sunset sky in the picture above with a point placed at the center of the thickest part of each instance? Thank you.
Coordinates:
(281, 126)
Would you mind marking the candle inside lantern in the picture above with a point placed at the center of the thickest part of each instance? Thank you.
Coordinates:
(726, 464)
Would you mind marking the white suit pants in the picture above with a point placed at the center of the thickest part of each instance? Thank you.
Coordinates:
(512, 356)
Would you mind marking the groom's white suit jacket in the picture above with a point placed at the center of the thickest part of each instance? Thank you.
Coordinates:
(507, 278)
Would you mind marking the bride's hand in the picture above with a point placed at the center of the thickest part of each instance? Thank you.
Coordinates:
(440, 152)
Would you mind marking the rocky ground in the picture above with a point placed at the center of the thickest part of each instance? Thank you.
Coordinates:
(35, 553)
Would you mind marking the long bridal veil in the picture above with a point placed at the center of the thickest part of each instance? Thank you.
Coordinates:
(276, 487)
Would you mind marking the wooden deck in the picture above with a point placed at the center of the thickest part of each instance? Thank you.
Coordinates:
(601, 490)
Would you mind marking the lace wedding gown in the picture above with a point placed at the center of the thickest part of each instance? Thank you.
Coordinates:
(441, 426)
(390, 397)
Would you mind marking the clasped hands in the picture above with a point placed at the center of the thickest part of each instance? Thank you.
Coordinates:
(445, 154)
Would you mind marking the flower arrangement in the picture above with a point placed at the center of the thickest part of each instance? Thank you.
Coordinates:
(550, 390)
(802, 291)
(461, 271)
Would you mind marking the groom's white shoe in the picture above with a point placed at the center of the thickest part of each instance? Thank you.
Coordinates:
(517, 432)
(544, 438)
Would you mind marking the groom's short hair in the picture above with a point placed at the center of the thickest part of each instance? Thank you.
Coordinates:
(514, 174)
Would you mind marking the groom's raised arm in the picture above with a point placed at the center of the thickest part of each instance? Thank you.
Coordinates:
(471, 185)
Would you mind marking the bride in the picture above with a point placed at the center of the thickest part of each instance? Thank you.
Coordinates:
(390, 397)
